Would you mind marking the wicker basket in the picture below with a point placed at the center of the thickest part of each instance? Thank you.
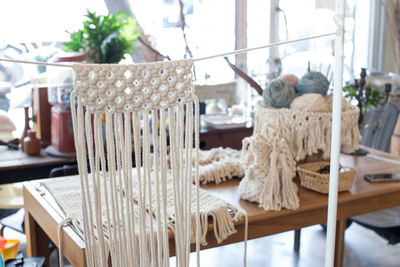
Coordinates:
(310, 179)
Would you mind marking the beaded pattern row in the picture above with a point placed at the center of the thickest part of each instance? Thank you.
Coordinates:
(133, 87)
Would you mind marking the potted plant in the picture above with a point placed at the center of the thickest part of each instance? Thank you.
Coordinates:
(105, 38)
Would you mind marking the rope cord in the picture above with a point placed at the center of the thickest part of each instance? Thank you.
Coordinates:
(197, 180)
(35, 62)
(245, 50)
(235, 52)
(246, 233)
(60, 225)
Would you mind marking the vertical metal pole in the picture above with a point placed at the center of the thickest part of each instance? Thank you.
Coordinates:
(241, 33)
(336, 130)
(274, 28)
(241, 60)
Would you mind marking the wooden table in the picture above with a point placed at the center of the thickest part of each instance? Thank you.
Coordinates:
(16, 166)
(41, 219)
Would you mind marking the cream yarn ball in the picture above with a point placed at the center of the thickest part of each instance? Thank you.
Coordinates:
(311, 102)
(345, 104)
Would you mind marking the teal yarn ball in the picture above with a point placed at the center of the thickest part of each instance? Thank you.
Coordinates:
(279, 94)
(313, 82)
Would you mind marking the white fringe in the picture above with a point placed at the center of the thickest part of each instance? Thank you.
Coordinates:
(127, 213)
(127, 96)
(280, 138)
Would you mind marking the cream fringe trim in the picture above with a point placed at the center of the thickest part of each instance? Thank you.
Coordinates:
(219, 164)
(280, 138)
(214, 212)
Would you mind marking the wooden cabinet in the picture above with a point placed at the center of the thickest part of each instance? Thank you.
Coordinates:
(210, 138)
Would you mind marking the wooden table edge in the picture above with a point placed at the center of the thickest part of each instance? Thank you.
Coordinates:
(38, 207)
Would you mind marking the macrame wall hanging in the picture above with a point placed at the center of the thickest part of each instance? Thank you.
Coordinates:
(137, 102)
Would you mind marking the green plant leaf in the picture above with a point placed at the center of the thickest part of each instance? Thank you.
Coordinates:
(76, 41)
(105, 39)
(350, 93)
(106, 42)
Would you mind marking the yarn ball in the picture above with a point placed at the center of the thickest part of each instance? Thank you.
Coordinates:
(6, 123)
(279, 94)
(345, 104)
(291, 78)
(310, 102)
(313, 82)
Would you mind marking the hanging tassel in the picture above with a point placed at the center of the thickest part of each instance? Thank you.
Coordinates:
(290, 199)
(270, 197)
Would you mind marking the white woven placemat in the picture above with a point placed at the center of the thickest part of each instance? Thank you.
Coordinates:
(67, 194)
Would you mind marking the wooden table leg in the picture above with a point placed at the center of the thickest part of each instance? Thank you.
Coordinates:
(339, 242)
(37, 242)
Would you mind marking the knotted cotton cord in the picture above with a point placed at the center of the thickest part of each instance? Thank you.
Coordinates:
(163, 137)
(246, 231)
(79, 137)
(197, 179)
(147, 171)
(60, 225)
(156, 162)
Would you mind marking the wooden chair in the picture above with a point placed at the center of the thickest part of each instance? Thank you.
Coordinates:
(380, 123)
(379, 126)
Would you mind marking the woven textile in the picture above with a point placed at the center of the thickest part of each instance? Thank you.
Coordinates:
(308, 132)
(135, 87)
(269, 169)
(219, 164)
(67, 194)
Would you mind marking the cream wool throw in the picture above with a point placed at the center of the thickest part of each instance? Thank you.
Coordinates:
(136, 101)
(280, 138)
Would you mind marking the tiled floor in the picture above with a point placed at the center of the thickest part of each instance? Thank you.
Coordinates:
(363, 249)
